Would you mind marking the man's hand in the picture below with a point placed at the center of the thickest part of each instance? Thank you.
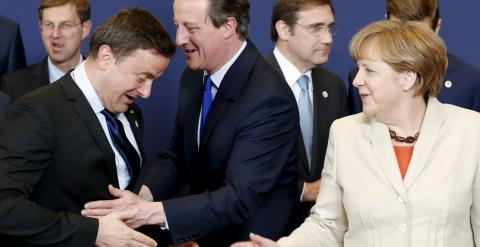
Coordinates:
(256, 241)
(310, 191)
(147, 213)
(112, 231)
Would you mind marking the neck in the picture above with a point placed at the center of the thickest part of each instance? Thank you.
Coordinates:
(230, 48)
(67, 65)
(408, 118)
(289, 55)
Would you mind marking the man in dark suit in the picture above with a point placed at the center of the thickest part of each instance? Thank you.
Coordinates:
(461, 85)
(234, 145)
(62, 145)
(12, 54)
(63, 25)
(303, 33)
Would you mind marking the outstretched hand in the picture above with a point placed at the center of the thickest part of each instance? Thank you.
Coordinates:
(148, 213)
(112, 231)
(256, 241)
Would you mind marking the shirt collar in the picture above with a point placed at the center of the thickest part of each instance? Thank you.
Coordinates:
(54, 73)
(80, 77)
(290, 72)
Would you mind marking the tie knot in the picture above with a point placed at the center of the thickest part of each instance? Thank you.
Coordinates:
(108, 114)
(303, 82)
(207, 82)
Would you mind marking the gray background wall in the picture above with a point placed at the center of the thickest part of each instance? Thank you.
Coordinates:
(461, 21)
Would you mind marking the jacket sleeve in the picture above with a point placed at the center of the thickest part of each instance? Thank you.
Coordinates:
(26, 147)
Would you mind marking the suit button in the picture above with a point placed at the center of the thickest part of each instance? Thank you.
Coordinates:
(402, 227)
(400, 199)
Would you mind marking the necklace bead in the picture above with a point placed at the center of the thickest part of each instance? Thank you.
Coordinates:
(408, 139)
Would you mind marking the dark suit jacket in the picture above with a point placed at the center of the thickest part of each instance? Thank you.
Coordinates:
(12, 54)
(327, 109)
(242, 178)
(23, 81)
(54, 157)
(464, 90)
(4, 102)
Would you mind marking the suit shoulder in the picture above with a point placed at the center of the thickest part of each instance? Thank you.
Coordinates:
(20, 74)
(457, 67)
(327, 77)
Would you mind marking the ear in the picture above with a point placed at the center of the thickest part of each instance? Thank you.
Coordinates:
(105, 57)
(408, 80)
(86, 27)
(283, 30)
(230, 27)
(439, 25)
(40, 25)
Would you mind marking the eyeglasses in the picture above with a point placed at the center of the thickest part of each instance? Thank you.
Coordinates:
(63, 26)
(320, 29)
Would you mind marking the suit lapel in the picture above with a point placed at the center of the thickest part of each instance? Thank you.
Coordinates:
(302, 153)
(386, 160)
(85, 112)
(40, 71)
(432, 123)
(230, 88)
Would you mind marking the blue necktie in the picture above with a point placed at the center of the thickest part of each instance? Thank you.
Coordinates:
(123, 145)
(206, 101)
(306, 116)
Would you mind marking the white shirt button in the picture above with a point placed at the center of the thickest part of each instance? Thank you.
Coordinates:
(402, 227)
(448, 84)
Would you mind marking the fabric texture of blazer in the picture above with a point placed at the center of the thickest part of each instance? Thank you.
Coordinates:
(55, 157)
(23, 81)
(243, 175)
(330, 103)
(364, 201)
(12, 53)
(461, 86)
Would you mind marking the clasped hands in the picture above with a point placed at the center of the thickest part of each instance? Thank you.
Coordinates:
(129, 209)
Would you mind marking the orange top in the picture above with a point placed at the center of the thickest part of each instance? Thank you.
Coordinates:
(404, 155)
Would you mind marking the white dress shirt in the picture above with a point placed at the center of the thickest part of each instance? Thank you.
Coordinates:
(81, 79)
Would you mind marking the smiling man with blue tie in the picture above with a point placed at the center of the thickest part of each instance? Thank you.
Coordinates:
(62, 145)
(239, 159)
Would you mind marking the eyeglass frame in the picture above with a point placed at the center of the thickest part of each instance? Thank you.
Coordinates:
(320, 29)
(64, 26)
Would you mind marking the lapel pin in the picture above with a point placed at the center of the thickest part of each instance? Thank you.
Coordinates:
(132, 111)
(136, 123)
(325, 94)
(448, 84)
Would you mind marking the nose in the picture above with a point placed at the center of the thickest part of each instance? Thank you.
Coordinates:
(56, 32)
(358, 80)
(327, 38)
(145, 90)
(181, 36)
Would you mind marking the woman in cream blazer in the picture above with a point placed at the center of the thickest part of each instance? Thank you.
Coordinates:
(365, 198)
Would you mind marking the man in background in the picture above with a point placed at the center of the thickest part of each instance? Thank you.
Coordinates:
(63, 144)
(461, 85)
(303, 34)
(63, 25)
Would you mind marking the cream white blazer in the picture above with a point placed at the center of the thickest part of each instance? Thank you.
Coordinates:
(364, 201)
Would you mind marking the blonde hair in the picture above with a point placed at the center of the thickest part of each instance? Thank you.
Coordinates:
(405, 46)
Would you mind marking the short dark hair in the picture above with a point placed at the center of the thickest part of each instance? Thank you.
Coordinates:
(82, 7)
(414, 10)
(286, 10)
(220, 10)
(129, 30)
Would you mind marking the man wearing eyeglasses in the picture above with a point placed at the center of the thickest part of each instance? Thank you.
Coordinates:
(63, 25)
(303, 32)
